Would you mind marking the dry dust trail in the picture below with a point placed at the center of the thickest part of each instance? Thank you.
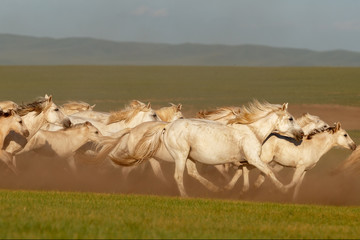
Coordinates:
(320, 186)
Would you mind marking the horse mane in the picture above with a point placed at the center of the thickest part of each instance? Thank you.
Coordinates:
(254, 111)
(305, 119)
(37, 106)
(166, 113)
(75, 126)
(218, 113)
(128, 113)
(331, 130)
(76, 105)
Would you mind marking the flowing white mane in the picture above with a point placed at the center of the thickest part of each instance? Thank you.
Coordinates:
(254, 111)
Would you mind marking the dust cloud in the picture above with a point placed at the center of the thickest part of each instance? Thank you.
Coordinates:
(320, 186)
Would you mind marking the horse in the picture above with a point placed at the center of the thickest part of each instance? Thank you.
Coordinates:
(221, 114)
(10, 121)
(303, 155)
(65, 142)
(35, 115)
(133, 114)
(213, 143)
(169, 114)
(72, 107)
(350, 164)
(307, 122)
(8, 105)
(165, 114)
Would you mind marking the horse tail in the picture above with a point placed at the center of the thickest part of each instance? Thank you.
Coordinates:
(352, 163)
(108, 143)
(144, 149)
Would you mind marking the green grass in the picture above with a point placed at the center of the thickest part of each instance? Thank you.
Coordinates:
(111, 87)
(30, 214)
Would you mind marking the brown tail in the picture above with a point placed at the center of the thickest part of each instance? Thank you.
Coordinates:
(144, 149)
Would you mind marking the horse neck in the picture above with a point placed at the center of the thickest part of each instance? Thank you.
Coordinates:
(163, 115)
(5, 129)
(321, 143)
(76, 137)
(264, 126)
(34, 122)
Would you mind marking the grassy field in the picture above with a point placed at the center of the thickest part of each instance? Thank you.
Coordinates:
(26, 214)
(111, 87)
(89, 215)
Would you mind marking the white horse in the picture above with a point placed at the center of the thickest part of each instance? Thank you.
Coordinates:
(72, 107)
(134, 114)
(8, 105)
(165, 114)
(64, 143)
(307, 122)
(35, 116)
(303, 155)
(209, 142)
(10, 121)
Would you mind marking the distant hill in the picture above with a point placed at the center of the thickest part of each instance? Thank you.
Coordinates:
(25, 50)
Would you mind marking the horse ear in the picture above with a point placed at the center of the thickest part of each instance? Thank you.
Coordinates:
(284, 106)
(148, 105)
(49, 98)
(92, 107)
(179, 106)
(46, 96)
(337, 126)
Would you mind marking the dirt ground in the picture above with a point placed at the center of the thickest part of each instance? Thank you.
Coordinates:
(320, 185)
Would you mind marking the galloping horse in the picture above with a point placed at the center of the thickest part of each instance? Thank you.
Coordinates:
(210, 142)
(134, 114)
(307, 122)
(72, 107)
(65, 142)
(303, 155)
(10, 121)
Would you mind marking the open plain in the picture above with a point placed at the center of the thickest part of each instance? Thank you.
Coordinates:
(333, 199)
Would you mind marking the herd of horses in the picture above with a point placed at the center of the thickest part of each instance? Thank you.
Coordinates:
(258, 135)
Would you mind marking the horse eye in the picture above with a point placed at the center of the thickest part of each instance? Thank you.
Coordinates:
(291, 119)
(96, 132)
(56, 109)
(345, 135)
(154, 115)
(20, 121)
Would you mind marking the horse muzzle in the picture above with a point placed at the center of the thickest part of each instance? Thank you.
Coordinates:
(352, 146)
(67, 123)
(299, 135)
(26, 133)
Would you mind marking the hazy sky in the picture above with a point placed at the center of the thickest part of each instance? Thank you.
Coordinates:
(312, 24)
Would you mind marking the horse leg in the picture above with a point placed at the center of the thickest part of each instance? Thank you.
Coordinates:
(8, 159)
(246, 179)
(179, 175)
(234, 179)
(191, 168)
(297, 187)
(223, 170)
(255, 160)
(155, 165)
(72, 164)
(296, 177)
(261, 178)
